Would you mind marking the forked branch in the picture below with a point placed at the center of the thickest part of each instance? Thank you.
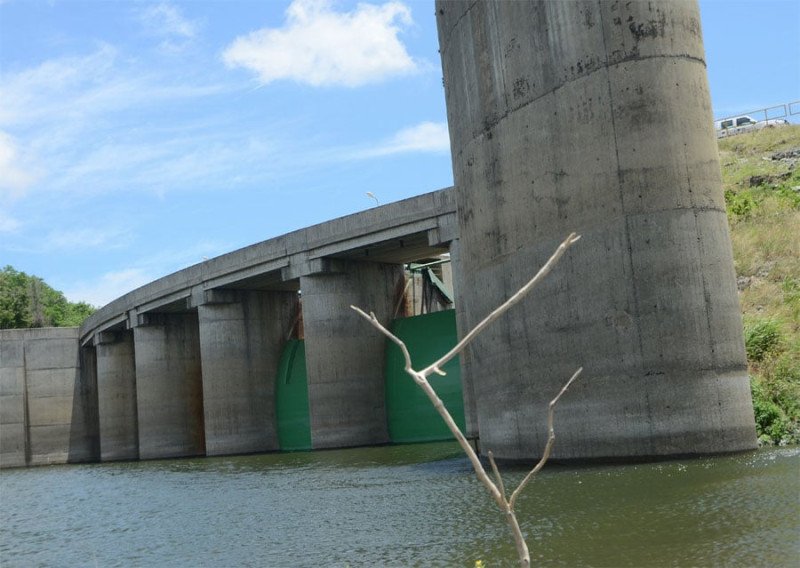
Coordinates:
(496, 490)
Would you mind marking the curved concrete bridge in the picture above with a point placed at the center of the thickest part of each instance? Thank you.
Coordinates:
(186, 365)
(591, 117)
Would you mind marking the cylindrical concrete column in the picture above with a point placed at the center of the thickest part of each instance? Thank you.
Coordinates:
(116, 393)
(594, 117)
(169, 387)
(345, 354)
(462, 327)
(241, 344)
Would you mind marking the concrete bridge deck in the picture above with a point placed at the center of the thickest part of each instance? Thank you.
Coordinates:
(394, 233)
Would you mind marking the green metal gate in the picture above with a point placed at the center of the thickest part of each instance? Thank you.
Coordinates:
(291, 398)
(410, 415)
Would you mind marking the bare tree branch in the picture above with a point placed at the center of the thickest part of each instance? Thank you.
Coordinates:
(551, 438)
(497, 491)
(521, 293)
(497, 475)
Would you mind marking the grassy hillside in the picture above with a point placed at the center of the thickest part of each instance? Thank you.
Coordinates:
(761, 176)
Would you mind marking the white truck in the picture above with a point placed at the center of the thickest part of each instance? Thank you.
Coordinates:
(744, 123)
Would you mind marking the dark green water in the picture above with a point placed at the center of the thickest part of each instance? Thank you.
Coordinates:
(415, 505)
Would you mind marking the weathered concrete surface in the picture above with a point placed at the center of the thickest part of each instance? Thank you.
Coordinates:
(45, 401)
(84, 443)
(13, 400)
(393, 233)
(242, 335)
(116, 386)
(472, 429)
(169, 387)
(345, 355)
(594, 117)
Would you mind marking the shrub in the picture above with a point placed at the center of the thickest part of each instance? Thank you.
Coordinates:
(761, 338)
(740, 205)
(773, 425)
(789, 196)
(791, 289)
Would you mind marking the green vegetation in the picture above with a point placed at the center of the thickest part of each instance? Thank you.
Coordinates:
(762, 195)
(27, 301)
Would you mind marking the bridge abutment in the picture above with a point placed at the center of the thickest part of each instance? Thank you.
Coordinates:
(116, 393)
(594, 117)
(345, 355)
(242, 335)
(169, 386)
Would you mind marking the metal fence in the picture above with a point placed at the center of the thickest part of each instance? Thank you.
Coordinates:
(770, 113)
(760, 118)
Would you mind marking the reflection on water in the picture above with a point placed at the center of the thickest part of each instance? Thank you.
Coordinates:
(415, 505)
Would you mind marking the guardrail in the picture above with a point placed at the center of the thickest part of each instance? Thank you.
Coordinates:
(769, 113)
(756, 119)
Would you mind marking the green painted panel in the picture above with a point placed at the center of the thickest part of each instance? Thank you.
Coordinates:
(291, 398)
(410, 414)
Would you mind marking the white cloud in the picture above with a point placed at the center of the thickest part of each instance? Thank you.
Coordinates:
(52, 88)
(8, 224)
(423, 137)
(76, 116)
(166, 20)
(110, 286)
(14, 177)
(73, 90)
(319, 47)
(87, 239)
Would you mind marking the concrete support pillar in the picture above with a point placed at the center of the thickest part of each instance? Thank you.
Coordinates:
(169, 386)
(345, 355)
(594, 117)
(116, 386)
(241, 339)
(15, 448)
(84, 431)
(463, 326)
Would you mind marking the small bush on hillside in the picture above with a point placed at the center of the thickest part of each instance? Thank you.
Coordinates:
(761, 338)
(788, 195)
(771, 422)
(776, 392)
(781, 379)
(740, 205)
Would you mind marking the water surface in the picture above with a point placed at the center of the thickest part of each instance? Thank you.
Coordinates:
(414, 505)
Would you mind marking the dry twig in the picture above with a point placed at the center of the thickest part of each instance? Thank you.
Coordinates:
(496, 490)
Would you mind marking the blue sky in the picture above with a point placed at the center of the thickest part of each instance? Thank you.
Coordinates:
(137, 138)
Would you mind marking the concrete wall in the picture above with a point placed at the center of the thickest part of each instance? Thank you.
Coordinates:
(241, 341)
(345, 355)
(594, 117)
(46, 403)
(14, 445)
(169, 386)
(116, 386)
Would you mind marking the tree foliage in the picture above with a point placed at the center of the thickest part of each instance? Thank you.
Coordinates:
(27, 301)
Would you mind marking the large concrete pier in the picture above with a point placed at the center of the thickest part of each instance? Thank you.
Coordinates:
(48, 399)
(594, 117)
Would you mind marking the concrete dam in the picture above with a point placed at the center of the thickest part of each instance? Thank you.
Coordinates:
(591, 117)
